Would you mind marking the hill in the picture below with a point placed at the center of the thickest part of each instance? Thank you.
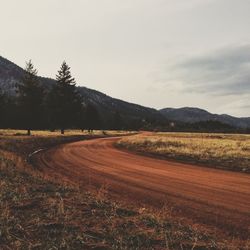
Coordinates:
(196, 115)
(11, 74)
(136, 115)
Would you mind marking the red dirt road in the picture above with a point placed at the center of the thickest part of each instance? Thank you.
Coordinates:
(215, 198)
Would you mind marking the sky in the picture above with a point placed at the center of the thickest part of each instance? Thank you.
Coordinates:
(157, 53)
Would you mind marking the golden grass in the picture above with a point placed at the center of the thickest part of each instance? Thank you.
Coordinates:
(229, 151)
(17, 141)
(47, 133)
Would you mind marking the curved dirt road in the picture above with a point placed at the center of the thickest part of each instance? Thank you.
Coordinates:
(215, 198)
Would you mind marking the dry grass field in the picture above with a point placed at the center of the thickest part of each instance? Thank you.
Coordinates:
(37, 212)
(226, 151)
(47, 133)
(17, 142)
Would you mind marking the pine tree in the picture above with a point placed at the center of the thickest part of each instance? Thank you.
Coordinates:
(30, 98)
(93, 120)
(2, 108)
(64, 100)
(81, 119)
(117, 121)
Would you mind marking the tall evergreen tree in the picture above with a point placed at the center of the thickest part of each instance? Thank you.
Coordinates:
(93, 120)
(117, 121)
(30, 98)
(64, 101)
(81, 119)
(2, 108)
(11, 112)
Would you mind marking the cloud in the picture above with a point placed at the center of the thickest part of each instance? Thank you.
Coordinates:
(237, 106)
(222, 72)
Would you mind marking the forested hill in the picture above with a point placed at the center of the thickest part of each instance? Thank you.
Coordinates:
(196, 115)
(127, 115)
(11, 74)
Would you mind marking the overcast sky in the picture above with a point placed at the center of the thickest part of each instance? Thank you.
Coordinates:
(158, 53)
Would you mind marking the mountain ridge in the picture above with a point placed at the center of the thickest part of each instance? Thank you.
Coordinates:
(193, 115)
(11, 74)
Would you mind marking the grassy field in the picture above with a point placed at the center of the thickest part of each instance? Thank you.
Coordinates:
(215, 150)
(37, 212)
(47, 133)
(17, 142)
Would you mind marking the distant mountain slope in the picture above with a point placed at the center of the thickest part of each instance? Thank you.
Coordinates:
(11, 74)
(105, 102)
(194, 115)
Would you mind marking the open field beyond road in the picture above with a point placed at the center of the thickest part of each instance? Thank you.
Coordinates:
(225, 151)
(215, 198)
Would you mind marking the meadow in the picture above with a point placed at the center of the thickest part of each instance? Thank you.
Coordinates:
(226, 151)
(39, 212)
(18, 143)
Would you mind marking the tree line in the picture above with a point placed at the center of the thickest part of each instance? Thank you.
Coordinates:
(34, 107)
(61, 106)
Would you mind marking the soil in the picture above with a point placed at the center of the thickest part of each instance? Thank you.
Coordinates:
(217, 199)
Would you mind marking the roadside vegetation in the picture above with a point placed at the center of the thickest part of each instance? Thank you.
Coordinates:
(19, 144)
(37, 212)
(226, 151)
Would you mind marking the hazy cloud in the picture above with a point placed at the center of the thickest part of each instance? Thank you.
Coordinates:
(237, 105)
(120, 47)
(223, 72)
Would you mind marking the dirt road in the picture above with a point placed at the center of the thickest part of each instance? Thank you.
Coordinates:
(215, 198)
